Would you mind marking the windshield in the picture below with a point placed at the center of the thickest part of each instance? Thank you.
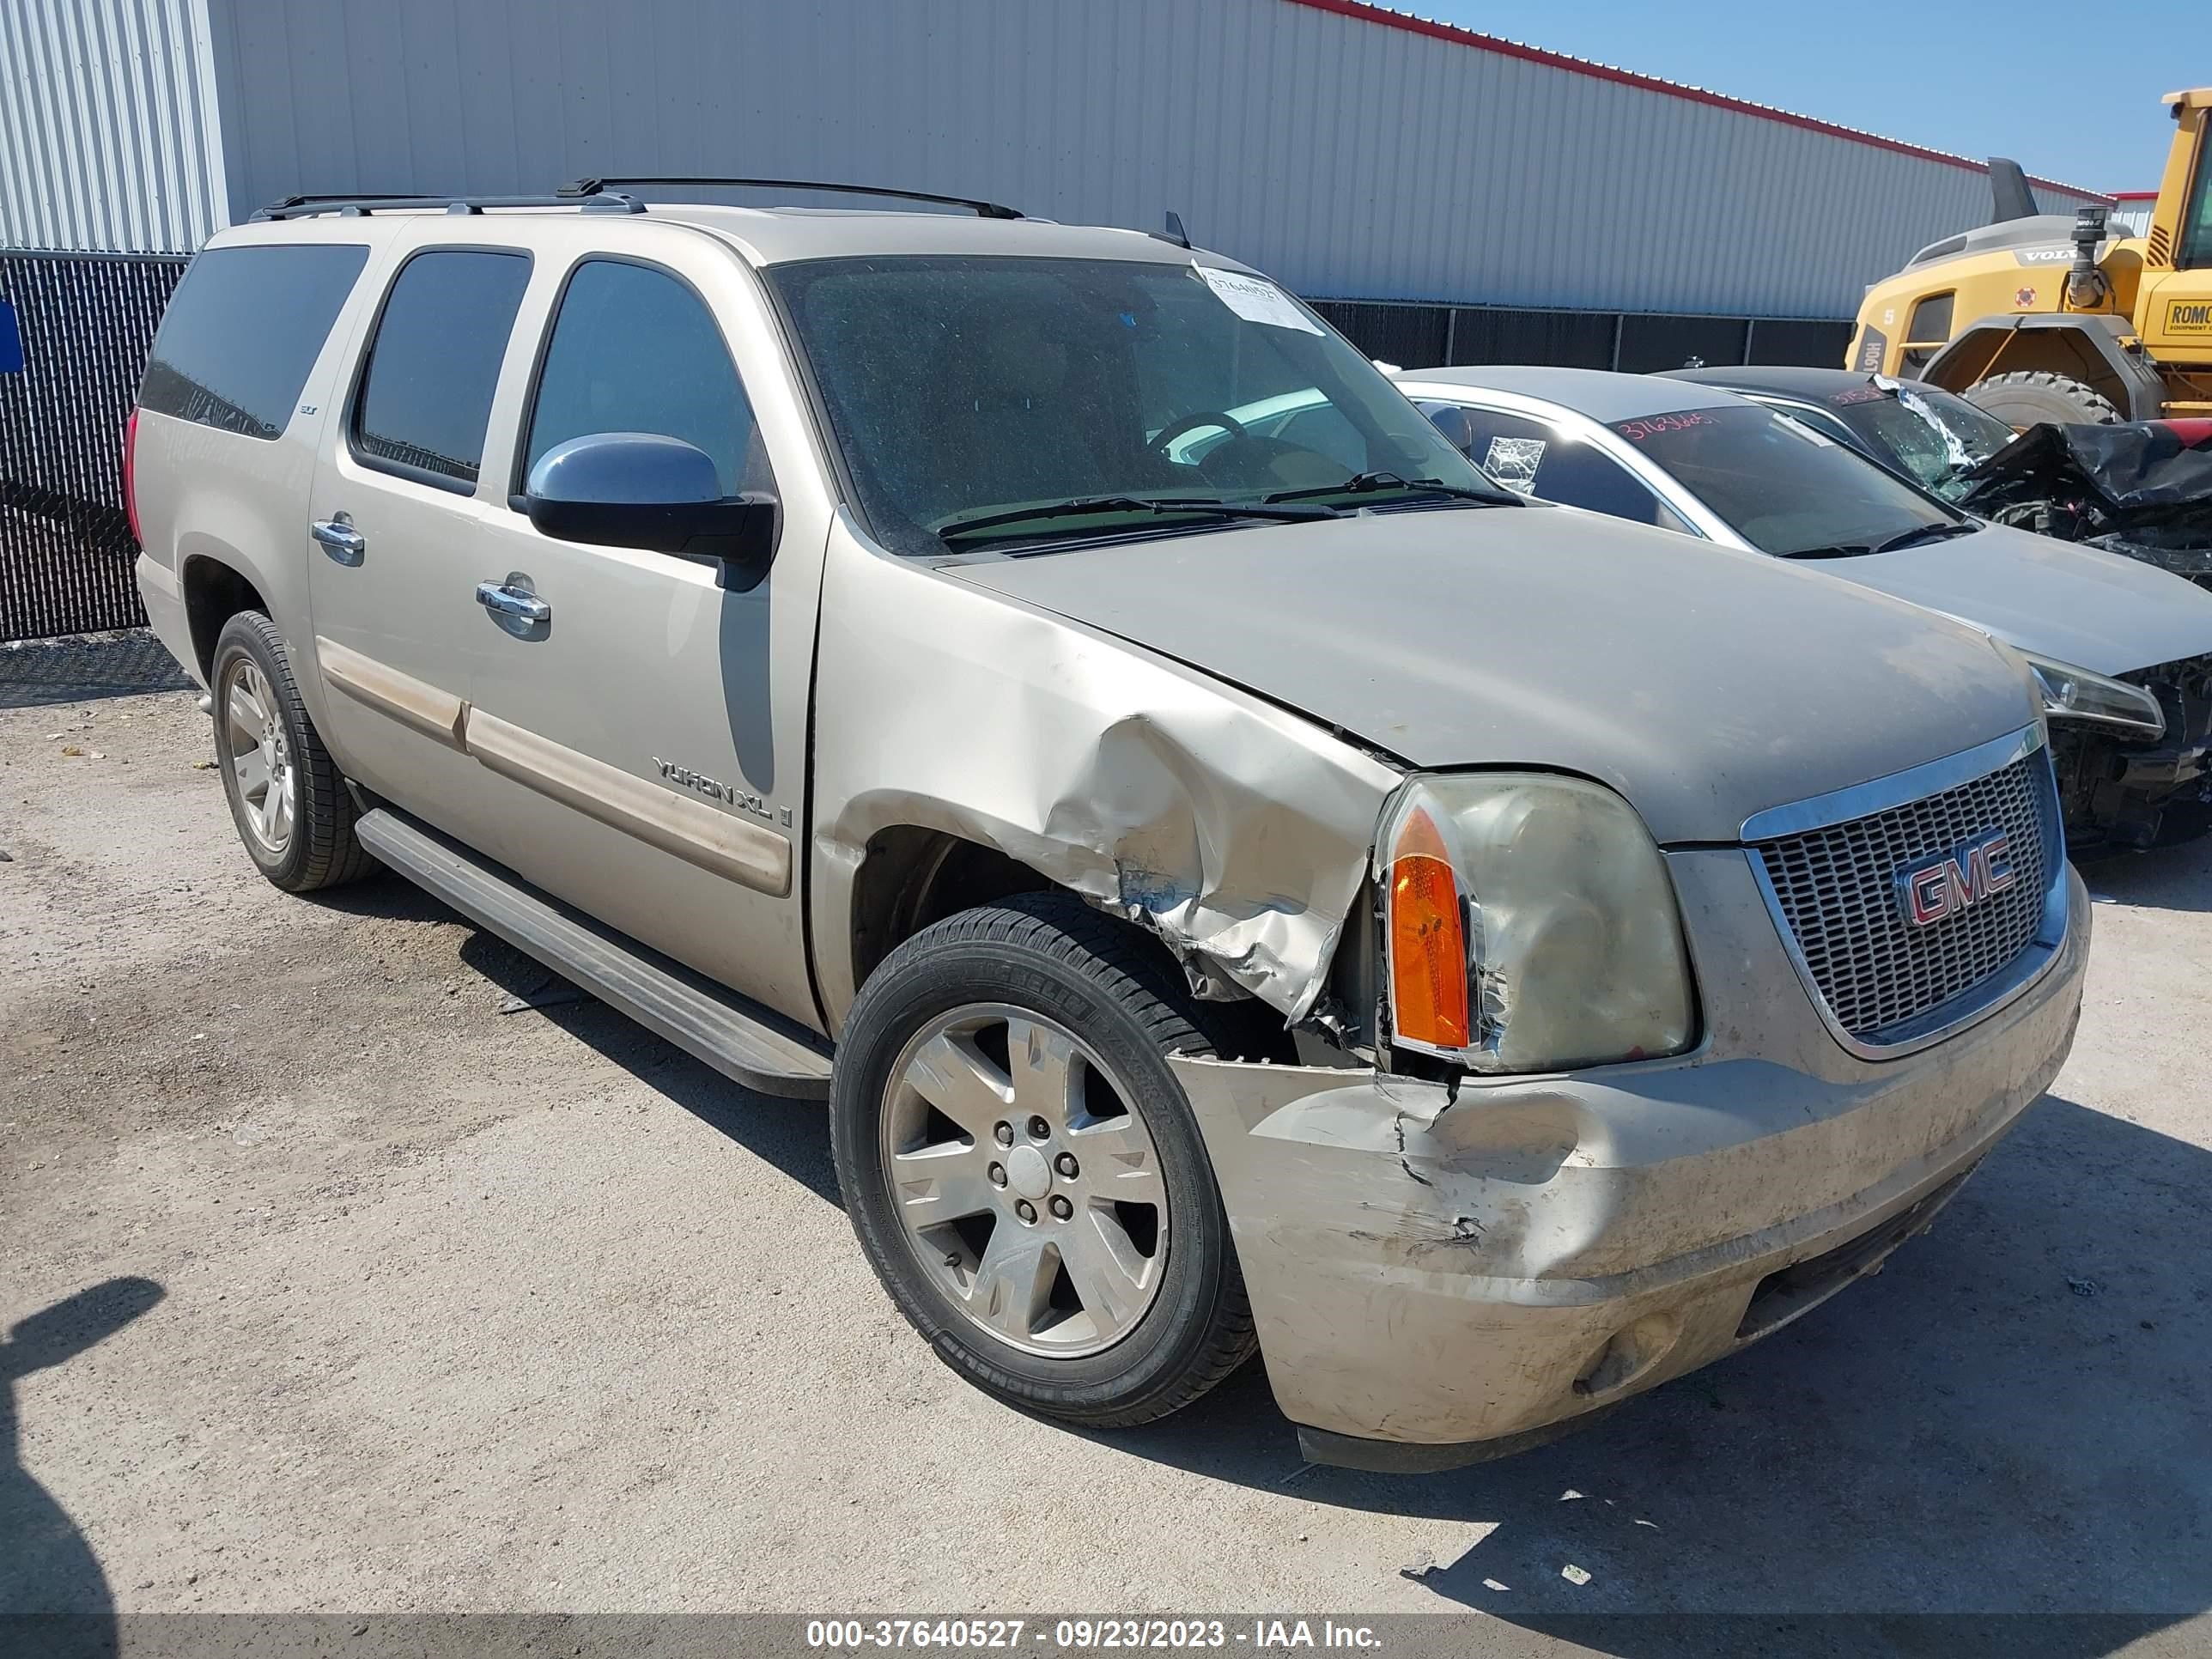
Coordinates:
(1142, 395)
(1783, 487)
(1929, 435)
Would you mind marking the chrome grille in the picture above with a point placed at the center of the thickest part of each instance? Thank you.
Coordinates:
(1837, 890)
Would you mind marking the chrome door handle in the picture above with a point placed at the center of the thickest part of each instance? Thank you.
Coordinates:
(504, 599)
(339, 538)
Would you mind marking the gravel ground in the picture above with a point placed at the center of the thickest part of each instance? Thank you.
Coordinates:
(342, 1290)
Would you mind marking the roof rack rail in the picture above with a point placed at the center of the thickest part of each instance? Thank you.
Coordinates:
(981, 209)
(360, 206)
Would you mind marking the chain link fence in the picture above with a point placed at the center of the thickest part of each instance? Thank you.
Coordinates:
(65, 546)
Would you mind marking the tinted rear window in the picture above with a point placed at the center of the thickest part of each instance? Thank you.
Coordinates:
(426, 396)
(243, 330)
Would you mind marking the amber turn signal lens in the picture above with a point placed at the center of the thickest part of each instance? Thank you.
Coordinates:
(1428, 946)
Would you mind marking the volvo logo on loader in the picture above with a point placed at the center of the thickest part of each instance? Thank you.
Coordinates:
(1957, 880)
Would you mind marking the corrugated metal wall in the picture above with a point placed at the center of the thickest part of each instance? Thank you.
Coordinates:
(1343, 156)
(2132, 218)
(107, 125)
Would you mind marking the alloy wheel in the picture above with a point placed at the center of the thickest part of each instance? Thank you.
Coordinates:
(1025, 1181)
(261, 775)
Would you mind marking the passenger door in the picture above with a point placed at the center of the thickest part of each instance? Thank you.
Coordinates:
(1538, 459)
(394, 515)
(648, 728)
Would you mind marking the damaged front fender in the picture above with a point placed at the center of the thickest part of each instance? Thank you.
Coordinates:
(1237, 831)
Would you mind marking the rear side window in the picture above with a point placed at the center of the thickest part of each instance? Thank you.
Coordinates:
(241, 332)
(633, 350)
(426, 395)
(1533, 457)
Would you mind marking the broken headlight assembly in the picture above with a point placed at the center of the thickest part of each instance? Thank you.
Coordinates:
(1528, 925)
(2074, 694)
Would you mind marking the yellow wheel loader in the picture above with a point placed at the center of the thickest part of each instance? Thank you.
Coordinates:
(2041, 317)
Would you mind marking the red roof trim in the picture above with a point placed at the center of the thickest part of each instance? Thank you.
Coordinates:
(2135, 195)
(1365, 13)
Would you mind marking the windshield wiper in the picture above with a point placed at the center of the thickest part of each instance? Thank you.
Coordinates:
(1847, 551)
(1368, 483)
(1159, 506)
(1919, 535)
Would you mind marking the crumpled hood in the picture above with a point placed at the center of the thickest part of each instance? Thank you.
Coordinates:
(1704, 684)
(2099, 610)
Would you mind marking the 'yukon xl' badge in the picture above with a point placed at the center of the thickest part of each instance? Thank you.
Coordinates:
(1957, 880)
(743, 800)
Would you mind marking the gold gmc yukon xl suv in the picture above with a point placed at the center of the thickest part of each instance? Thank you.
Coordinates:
(1238, 882)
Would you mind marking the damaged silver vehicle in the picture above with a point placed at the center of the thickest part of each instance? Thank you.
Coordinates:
(1924, 434)
(1288, 896)
(2123, 652)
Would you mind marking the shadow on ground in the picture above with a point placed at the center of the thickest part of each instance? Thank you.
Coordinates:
(2164, 878)
(2010, 1421)
(1997, 1447)
(45, 1563)
(86, 666)
(790, 1135)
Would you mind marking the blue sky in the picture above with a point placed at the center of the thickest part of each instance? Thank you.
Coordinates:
(2070, 91)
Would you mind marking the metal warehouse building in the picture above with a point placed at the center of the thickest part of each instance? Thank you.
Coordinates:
(1452, 197)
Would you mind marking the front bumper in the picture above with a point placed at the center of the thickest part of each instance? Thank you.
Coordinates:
(1461, 1272)
(2117, 795)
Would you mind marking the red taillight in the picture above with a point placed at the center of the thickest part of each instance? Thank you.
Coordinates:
(130, 476)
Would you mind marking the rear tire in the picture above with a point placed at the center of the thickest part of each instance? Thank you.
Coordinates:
(286, 796)
(2022, 399)
(953, 1057)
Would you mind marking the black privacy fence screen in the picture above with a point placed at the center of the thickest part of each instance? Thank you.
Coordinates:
(1419, 336)
(87, 319)
(66, 547)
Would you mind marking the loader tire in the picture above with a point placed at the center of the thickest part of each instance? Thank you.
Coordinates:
(2029, 397)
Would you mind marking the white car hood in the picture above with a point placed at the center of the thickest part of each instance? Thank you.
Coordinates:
(2099, 610)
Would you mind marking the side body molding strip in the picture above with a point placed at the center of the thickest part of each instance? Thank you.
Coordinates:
(416, 704)
(749, 854)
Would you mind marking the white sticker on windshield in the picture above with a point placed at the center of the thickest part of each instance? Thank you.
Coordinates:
(1255, 298)
(1513, 461)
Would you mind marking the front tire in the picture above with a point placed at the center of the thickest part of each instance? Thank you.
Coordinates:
(1023, 1171)
(286, 796)
(2027, 397)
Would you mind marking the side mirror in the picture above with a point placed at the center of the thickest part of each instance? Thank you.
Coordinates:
(659, 494)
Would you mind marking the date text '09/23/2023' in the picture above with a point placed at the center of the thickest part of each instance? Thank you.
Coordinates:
(1264, 1635)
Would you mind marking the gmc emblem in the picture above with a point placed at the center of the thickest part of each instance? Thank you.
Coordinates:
(1957, 880)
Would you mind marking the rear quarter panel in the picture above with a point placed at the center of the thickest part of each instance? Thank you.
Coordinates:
(244, 502)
